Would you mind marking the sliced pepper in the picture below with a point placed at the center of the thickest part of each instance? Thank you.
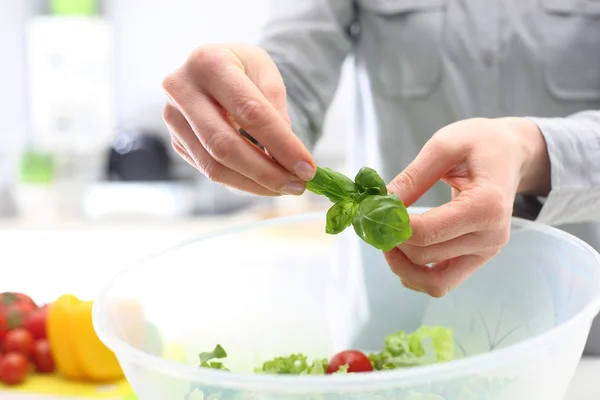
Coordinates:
(95, 359)
(79, 354)
(61, 337)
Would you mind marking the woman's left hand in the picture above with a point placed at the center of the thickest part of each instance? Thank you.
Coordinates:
(485, 162)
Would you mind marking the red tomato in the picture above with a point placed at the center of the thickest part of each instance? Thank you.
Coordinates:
(357, 362)
(17, 300)
(19, 341)
(4, 328)
(14, 369)
(36, 323)
(42, 357)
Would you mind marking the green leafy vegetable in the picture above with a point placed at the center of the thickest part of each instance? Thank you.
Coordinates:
(340, 215)
(343, 369)
(382, 221)
(379, 218)
(333, 185)
(402, 350)
(368, 179)
(441, 341)
(218, 353)
(294, 364)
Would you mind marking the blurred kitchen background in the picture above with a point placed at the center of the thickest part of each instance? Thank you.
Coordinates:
(82, 139)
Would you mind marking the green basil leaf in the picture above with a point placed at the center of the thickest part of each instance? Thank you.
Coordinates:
(368, 179)
(339, 216)
(382, 222)
(333, 185)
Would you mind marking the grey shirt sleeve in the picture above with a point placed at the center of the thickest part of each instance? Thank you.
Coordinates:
(309, 41)
(574, 149)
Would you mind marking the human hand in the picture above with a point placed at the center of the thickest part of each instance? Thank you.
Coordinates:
(486, 162)
(219, 89)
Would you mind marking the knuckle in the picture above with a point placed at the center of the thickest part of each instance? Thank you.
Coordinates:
(274, 90)
(418, 256)
(219, 147)
(172, 83)
(405, 181)
(427, 237)
(211, 170)
(205, 60)
(170, 114)
(176, 145)
(442, 143)
(504, 236)
(501, 238)
(271, 179)
(248, 111)
(497, 211)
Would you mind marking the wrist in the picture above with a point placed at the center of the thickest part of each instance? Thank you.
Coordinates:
(535, 178)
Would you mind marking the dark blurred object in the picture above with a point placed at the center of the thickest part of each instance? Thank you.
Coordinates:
(139, 156)
(527, 207)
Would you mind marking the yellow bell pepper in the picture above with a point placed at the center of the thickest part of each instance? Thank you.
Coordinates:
(78, 352)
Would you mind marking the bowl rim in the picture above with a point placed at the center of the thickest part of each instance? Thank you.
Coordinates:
(382, 380)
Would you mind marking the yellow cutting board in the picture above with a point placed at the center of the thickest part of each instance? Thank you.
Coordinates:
(52, 385)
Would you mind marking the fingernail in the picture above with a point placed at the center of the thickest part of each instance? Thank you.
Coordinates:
(304, 171)
(294, 188)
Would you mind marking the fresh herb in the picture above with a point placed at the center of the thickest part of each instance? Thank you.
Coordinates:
(340, 215)
(368, 178)
(378, 218)
(218, 353)
(333, 185)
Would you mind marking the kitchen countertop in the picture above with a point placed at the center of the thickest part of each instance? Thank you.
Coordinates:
(89, 253)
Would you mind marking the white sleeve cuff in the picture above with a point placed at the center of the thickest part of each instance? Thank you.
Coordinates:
(574, 150)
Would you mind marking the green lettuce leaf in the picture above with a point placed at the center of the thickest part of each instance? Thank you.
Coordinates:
(294, 364)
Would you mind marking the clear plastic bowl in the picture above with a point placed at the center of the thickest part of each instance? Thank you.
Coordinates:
(284, 286)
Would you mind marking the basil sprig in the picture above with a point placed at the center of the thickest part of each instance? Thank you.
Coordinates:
(378, 218)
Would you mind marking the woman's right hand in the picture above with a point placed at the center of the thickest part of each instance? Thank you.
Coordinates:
(220, 89)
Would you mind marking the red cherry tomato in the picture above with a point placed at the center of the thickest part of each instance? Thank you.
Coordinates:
(19, 341)
(357, 362)
(42, 357)
(36, 323)
(19, 300)
(4, 328)
(14, 369)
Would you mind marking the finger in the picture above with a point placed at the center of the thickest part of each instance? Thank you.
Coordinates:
(432, 163)
(226, 81)
(469, 243)
(230, 149)
(441, 278)
(455, 192)
(179, 149)
(266, 76)
(473, 210)
(409, 286)
(187, 143)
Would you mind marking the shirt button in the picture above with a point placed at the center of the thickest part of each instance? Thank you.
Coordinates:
(488, 59)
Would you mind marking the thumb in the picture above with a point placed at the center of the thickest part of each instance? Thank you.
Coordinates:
(434, 161)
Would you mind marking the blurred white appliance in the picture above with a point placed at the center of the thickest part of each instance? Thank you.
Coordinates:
(71, 82)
